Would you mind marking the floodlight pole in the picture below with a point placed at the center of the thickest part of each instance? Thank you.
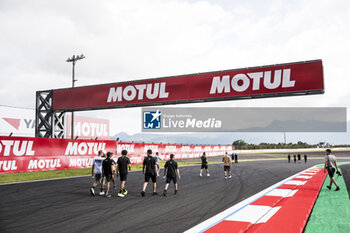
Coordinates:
(74, 59)
(116, 153)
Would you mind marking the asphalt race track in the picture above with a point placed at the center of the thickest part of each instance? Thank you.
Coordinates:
(67, 206)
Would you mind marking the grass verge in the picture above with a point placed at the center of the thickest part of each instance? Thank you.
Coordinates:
(40, 175)
(331, 211)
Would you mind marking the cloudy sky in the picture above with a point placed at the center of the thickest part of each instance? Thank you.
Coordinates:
(138, 39)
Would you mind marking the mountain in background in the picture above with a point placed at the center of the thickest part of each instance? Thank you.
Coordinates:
(299, 126)
(228, 138)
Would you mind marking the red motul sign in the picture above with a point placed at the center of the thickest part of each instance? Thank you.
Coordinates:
(23, 154)
(268, 81)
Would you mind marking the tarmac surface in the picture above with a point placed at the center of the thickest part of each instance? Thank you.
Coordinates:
(67, 206)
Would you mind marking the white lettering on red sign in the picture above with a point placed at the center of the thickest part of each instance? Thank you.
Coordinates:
(241, 82)
(130, 148)
(8, 165)
(185, 148)
(129, 93)
(136, 160)
(79, 162)
(154, 148)
(17, 147)
(83, 148)
(44, 163)
(170, 149)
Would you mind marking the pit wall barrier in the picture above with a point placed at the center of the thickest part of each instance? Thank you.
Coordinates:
(24, 154)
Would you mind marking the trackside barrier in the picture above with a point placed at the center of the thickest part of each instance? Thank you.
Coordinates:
(22, 154)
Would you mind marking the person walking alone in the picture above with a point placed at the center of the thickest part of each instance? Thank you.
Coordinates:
(107, 170)
(227, 166)
(123, 165)
(96, 172)
(204, 165)
(150, 171)
(171, 171)
(331, 164)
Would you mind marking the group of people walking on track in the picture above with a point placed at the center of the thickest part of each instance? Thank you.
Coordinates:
(104, 168)
(227, 160)
(295, 158)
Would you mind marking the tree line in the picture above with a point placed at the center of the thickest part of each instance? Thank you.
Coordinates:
(242, 145)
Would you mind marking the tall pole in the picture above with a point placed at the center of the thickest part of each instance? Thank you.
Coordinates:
(74, 59)
(72, 115)
(285, 138)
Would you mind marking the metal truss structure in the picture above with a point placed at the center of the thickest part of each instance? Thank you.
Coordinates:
(48, 123)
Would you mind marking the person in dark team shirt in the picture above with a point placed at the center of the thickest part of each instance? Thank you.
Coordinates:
(123, 164)
(113, 178)
(170, 171)
(236, 158)
(107, 170)
(204, 165)
(150, 171)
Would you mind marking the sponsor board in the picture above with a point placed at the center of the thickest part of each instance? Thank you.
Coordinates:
(23, 154)
(21, 122)
(139, 150)
(256, 82)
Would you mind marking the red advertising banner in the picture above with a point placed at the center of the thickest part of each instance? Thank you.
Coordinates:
(257, 82)
(23, 154)
(136, 151)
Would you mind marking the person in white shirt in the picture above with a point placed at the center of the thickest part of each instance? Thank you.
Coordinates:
(157, 162)
(331, 164)
(96, 172)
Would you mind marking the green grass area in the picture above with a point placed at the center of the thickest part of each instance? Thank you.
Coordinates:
(331, 212)
(26, 176)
